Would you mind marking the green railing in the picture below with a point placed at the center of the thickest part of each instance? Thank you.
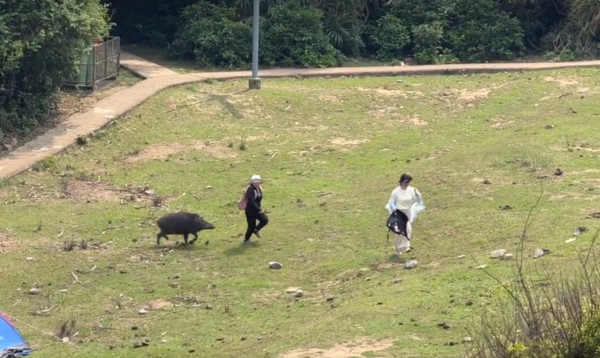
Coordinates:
(98, 63)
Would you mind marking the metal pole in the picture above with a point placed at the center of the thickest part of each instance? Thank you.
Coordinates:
(254, 82)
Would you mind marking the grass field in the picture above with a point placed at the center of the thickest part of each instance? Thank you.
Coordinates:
(80, 227)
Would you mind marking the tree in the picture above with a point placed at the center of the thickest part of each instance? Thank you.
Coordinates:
(41, 42)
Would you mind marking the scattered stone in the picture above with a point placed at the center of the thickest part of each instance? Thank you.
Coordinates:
(29, 258)
(549, 126)
(134, 328)
(64, 290)
(558, 172)
(142, 311)
(570, 240)
(144, 343)
(507, 256)
(208, 187)
(461, 256)
(487, 181)
(540, 252)
(467, 339)
(469, 303)
(480, 267)
(444, 325)
(34, 291)
(496, 254)
(411, 264)
(580, 230)
(299, 294)
(209, 307)
(595, 215)
(275, 265)
(505, 207)
(292, 289)
(330, 298)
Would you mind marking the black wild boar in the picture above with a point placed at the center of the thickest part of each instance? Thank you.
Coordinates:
(181, 223)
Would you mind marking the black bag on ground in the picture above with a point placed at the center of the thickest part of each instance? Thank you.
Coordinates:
(396, 223)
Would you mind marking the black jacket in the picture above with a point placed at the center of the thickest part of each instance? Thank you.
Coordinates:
(254, 197)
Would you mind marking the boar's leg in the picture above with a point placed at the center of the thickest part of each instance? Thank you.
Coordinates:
(159, 235)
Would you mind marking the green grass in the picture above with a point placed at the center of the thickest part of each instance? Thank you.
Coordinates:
(330, 151)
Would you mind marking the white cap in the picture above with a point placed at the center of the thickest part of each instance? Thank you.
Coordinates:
(256, 178)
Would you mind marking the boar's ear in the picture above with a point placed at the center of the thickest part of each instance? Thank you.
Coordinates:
(197, 218)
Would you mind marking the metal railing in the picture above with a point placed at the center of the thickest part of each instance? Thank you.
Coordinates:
(100, 62)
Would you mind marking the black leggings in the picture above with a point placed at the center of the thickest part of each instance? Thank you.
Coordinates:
(251, 218)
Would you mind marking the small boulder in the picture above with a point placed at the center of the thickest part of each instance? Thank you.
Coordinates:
(275, 265)
(411, 264)
(496, 254)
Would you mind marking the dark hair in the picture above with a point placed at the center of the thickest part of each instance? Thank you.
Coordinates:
(405, 177)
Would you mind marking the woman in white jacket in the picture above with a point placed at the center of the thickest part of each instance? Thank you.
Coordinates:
(406, 201)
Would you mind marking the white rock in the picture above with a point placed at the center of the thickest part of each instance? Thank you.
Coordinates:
(29, 258)
(411, 264)
(142, 311)
(507, 256)
(467, 339)
(275, 265)
(538, 253)
(461, 256)
(292, 289)
(64, 290)
(570, 240)
(299, 294)
(497, 253)
(34, 291)
(481, 266)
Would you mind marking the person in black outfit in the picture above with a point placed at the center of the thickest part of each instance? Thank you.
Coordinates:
(254, 212)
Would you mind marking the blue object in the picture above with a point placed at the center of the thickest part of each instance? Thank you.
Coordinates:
(12, 344)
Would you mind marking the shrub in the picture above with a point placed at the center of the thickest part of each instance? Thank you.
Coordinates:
(41, 42)
(391, 37)
(482, 32)
(303, 44)
(212, 35)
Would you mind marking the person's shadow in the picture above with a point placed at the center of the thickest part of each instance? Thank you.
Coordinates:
(241, 248)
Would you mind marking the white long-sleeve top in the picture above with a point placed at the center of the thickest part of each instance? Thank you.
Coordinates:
(407, 200)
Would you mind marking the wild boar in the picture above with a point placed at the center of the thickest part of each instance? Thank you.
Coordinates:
(182, 223)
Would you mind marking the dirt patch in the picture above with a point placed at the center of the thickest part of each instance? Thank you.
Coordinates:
(330, 98)
(344, 142)
(354, 348)
(6, 242)
(562, 82)
(500, 122)
(392, 92)
(162, 151)
(470, 96)
(90, 191)
(160, 304)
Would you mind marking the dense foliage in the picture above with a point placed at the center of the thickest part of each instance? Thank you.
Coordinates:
(435, 31)
(41, 42)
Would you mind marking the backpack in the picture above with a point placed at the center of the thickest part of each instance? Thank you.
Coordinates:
(243, 202)
(395, 222)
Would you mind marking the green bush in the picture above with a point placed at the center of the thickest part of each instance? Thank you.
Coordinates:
(41, 42)
(304, 44)
(444, 31)
(391, 37)
(479, 31)
(428, 40)
(212, 35)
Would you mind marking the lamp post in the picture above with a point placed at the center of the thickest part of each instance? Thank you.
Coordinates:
(254, 82)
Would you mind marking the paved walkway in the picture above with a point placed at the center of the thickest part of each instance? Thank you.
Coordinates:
(157, 78)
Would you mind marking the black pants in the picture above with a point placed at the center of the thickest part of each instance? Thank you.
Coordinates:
(251, 218)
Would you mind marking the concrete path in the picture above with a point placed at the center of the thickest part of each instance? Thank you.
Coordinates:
(157, 78)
